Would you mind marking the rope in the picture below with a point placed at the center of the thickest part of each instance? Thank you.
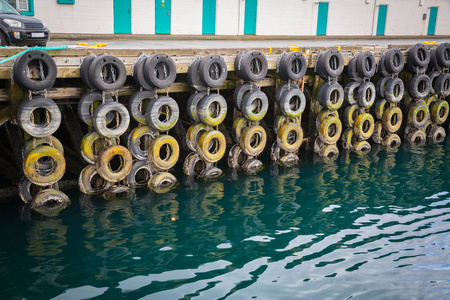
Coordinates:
(34, 48)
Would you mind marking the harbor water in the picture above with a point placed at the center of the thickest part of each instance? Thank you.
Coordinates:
(358, 227)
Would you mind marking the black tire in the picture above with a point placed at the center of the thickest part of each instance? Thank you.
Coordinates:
(255, 105)
(292, 103)
(253, 66)
(26, 121)
(434, 65)
(283, 88)
(352, 72)
(84, 71)
(192, 104)
(193, 78)
(240, 92)
(3, 41)
(416, 69)
(419, 55)
(100, 123)
(381, 86)
(366, 65)
(331, 95)
(237, 59)
(366, 94)
(293, 66)
(135, 106)
(115, 75)
(443, 54)
(213, 71)
(382, 67)
(160, 71)
(86, 106)
(419, 86)
(331, 63)
(155, 110)
(138, 74)
(139, 166)
(433, 76)
(30, 58)
(350, 92)
(443, 84)
(395, 89)
(394, 61)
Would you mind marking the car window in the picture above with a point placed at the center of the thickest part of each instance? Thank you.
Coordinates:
(5, 8)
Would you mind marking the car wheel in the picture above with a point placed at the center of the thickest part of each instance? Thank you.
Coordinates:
(3, 41)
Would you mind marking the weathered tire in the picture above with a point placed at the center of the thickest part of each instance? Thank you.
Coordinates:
(160, 71)
(115, 76)
(418, 115)
(192, 105)
(381, 66)
(84, 71)
(91, 183)
(366, 94)
(278, 122)
(255, 105)
(162, 182)
(379, 108)
(332, 63)
(120, 193)
(92, 144)
(253, 140)
(292, 103)
(138, 103)
(395, 90)
(100, 121)
(47, 141)
(348, 139)
(434, 65)
(193, 78)
(439, 111)
(364, 126)
(27, 190)
(50, 202)
(212, 109)
(361, 147)
(239, 124)
(352, 72)
(443, 54)
(139, 140)
(418, 55)
(213, 71)
(236, 157)
(240, 92)
(392, 119)
(252, 66)
(25, 117)
(318, 144)
(252, 166)
(292, 66)
(416, 137)
(330, 130)
(51, 176)
(162, 106)
(351, 92)
(324, 114)
(21, 70)
(419, 86)
(212, 146)
(103, 163)
(391, 141)
(140, 174)
(290, 137)
(443, 85)
(329, 151)
(193, 165)
(331, 95)
(433, 75)
(394, 61)
(193, 134)
(430, 100)
(366, 65)
(350, 114)
(138, 74)
(283, 88)
(172, 152)
(438, 134)
(88, 104)
(378, 132)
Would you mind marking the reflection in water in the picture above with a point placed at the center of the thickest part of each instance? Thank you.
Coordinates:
(320, 230)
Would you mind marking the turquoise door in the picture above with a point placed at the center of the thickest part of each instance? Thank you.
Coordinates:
(209, 17)
(250, 16)
(322, 18)
(122, 16)
(432, 20)
(381, 23)
(162, 16)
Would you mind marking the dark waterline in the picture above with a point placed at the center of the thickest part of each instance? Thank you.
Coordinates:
(371, 227)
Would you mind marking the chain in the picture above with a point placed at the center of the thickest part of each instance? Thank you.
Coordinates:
(196, 57)
(165, 71)
(279, 61)
(41, 70)
(216, 70)
(103, 97)
(12, 74)
(113, 73)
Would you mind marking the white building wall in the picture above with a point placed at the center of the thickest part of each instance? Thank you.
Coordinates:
(227, 17)
(443, 18)
(142, 17)
(349, 17)
(186, 17)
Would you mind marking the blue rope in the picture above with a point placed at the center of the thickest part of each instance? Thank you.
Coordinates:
(34, 48)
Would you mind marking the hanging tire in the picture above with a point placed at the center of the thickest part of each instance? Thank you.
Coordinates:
(213, 71)
(433, 75)
(419, 86)
(381, 66)
(240, 92)
(378, 132)
(160, 71)
(283, 88)
(331, 95)
(119, 193)
(366, 94)
(162, 182)
(84, 71)
(212, 109)
(236, 157)
(329, 151)
(193, 134)
(430, 100)
(438, 134)
(137, 105)
(107, 73)
(416, 137)
(332, 63)
(351, 92)
(293, 103)
(352, 72)
(193, 77)
(88, 104)
(278, 122)
(253, 140)
(192, 105)
(318, 144)
(91, 183)
(49, 177)
(381, 86)
(418, 55)
(100, 121)
(361, 147)
(212, 146)
(290, 137)
(92, 144)
(434, 65)
(140, 174)
(292, 66)
(46, 141)
(439, 111)
(366, 65)
(164, 161)
(139, 140)
(104, 159)
(35, 59)
(394, 61)
(379, 108)
(139, 75)
(27, 190)
(324, 114)
(391, 141)
(395, 90)
(364, 126)
(252, 66)
(255, 105)
(443, 85)
(162, 107)
(193, 165)
(427, 129)
(348, 139)
(392, 119)
(239, 124)
(350, 114)
(330, 130)
(50, 202)
(443, 54)
(418, 115)
(25, 117)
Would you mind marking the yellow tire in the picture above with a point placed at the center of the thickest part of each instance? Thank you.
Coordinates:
(169, 157)
(279, 121)
(430, 100)
(329, 152)
(418, 114)
(348, 139)
(392, 119)
(350, 114)
(236, 157)
(212, 146)
(162, 182)
(193, 134)
(91, 183)
(378, 132)
(364, 126)
(290, 137)
(239, 124)
(330, 130)
(323, 114)
(391, 141)
(49, 176)
(379, 108)
(416, 137)
(439, 111)
(92, 144)
(361, 147)
(50, 202)
(139, 140)
(253, 140)
(103, 164)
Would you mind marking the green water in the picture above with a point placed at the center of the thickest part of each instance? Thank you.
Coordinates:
(374, 227)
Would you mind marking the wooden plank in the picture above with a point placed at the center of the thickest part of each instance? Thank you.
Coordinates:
(5, 115)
